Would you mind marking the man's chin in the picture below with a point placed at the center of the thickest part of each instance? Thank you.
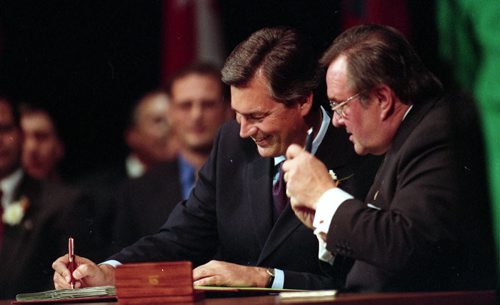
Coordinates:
(360, 150)
(267, 152)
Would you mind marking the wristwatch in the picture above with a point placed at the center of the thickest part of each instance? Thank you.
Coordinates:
(270, 272)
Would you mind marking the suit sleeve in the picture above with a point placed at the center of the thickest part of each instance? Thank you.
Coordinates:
(417, 222)
(312, 281)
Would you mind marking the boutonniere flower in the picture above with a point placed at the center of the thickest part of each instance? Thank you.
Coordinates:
(336, 180)
(14, 212)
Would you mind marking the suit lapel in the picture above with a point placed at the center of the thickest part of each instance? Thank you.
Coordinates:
(259, 183)
(284, 227)
(416, 114)
(373, 194)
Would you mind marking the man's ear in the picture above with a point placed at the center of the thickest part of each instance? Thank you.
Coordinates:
(386, 100)
(305, 104)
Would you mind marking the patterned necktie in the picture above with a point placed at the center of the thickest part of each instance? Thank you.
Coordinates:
(279, 195)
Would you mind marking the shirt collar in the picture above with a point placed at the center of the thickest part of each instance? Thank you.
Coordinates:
(134, 166)
(407, 111)
(8, 186)
(325, 122)
(187, 176)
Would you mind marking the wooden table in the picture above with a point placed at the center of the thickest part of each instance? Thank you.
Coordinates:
(426, 298)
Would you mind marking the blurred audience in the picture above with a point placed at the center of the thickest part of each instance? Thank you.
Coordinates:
(43, 148)
(198, 109)
(37, 216)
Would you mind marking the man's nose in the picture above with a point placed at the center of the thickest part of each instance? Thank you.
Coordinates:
(29, 144)
(196, 111)
(246, 129)
(337, 120)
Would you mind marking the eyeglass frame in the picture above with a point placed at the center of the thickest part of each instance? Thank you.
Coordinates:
(338, 108)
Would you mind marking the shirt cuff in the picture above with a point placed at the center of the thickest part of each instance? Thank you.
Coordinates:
(327, 205)
(279, 279)
(113, 263)
(323, 254)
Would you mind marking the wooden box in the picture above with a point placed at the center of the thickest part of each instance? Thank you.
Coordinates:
(155, 283)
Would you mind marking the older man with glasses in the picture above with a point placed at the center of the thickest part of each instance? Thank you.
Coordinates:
(422, 225)
(338, 107)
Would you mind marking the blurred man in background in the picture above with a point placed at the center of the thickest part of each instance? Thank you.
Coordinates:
(150, 141)
(149, 135)
(43, 148)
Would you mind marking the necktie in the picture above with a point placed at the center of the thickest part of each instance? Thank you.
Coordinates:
(279, 195)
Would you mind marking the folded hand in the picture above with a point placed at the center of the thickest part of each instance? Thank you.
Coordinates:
(217, 273)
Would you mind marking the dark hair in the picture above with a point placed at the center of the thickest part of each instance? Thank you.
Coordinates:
(201, 68)
(30, 107)
(13, 106)
(134, 108)
(286, 60)
(378, 54)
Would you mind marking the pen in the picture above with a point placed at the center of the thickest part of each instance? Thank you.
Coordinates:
(309, 140)
(72, 263)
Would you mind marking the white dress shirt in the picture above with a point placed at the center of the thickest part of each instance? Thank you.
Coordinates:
(8, 187)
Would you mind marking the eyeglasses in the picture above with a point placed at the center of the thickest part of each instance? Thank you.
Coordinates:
(339, 107)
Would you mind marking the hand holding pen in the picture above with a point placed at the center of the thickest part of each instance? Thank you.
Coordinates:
(87, 274)
(307, 179)
(71, 259)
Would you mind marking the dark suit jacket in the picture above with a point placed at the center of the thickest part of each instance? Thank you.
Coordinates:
(417, 235)
(143, 204)
(230, 213)
(55, 212)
